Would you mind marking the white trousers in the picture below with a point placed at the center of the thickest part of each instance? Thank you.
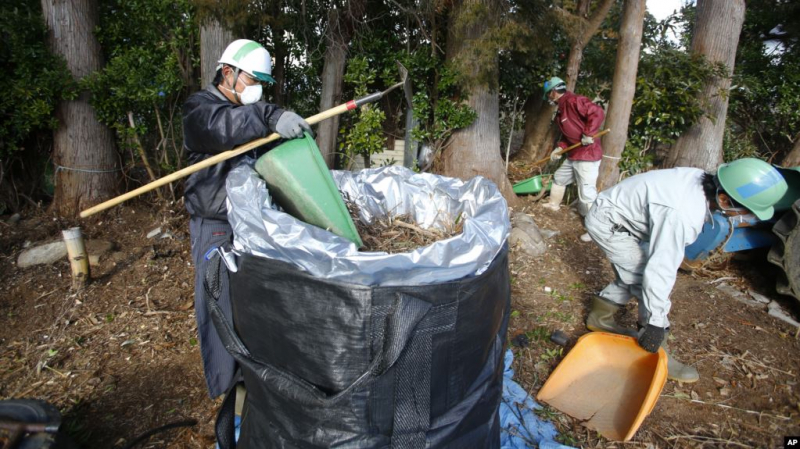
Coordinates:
(584, 174)
(628, 256)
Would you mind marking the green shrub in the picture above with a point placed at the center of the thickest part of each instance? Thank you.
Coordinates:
(35, 79)
(149, 47)
(365, 135)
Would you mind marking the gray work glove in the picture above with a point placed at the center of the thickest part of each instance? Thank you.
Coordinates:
(651, 337)
(291, 126)
(555, 155)
(586, 140)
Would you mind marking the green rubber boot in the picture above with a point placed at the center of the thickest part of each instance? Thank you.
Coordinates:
(601, 318)
(676, 370)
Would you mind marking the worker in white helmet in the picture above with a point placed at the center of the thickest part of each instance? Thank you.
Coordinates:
(228, 113)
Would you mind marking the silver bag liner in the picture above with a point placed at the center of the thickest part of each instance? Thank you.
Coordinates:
(261, 229)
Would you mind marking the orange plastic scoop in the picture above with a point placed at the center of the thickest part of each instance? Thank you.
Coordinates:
(609, 382)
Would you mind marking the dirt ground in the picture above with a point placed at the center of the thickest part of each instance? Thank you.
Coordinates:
(122, 357)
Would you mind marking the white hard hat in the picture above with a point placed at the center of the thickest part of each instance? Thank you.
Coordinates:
(250, 57)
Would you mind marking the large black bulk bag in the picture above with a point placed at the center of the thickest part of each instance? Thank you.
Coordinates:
(333, 364)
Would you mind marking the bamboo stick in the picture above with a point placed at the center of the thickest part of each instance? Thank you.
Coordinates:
(78, 259)
(209, 162)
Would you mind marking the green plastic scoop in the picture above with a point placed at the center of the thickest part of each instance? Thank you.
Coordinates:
(301, 183)
(531, 185)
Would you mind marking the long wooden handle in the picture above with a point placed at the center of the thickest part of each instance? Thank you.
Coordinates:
(342, 108)
(571, 147)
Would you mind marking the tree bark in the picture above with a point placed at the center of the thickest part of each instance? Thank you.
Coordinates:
(793, 158)
(716, 37)
(539, 134)
(214, 37)
(279, 95)
(622, 91)
(337, 39)
(475, 150)
(588, 29)
(538, 117)
(279, 56)
(87, 165)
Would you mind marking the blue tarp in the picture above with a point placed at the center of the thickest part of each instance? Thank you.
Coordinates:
(521, 428)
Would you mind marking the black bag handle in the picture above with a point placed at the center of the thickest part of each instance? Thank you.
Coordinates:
(406, 313)
(225, 427)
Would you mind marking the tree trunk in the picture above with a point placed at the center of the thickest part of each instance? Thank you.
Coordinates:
(538, 117)
(279, 56)
(793, 158)
(622, 91)
(214, 37)
(391, 124)
(475, 150)
(583, 8)
(87, 165)
(716, 37)
(539, 135)
(279, 74)
(337, 38)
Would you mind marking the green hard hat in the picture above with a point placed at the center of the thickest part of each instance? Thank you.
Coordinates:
(754, 184)
(553, 83)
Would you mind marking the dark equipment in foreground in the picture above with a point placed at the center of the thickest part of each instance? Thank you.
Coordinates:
(31, 424)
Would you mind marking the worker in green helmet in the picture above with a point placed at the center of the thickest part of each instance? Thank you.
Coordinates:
(643, 225)
(578, 119)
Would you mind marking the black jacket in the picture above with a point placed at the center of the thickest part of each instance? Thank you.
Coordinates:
(211, 125)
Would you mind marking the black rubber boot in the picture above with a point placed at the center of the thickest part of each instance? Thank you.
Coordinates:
(601, 318)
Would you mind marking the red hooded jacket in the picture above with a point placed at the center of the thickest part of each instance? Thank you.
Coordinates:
(577, 115)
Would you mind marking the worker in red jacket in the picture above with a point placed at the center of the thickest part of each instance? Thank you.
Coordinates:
(579, 119)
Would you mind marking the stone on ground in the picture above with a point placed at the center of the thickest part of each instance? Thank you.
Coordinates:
(525, 236)
(43, 254)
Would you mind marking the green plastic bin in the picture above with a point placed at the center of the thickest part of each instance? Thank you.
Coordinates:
(301, 183)
(531, 185)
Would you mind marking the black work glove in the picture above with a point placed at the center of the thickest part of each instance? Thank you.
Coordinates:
(291, 126)
(651, 337)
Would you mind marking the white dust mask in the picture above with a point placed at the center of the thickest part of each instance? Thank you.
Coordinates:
(251, 94)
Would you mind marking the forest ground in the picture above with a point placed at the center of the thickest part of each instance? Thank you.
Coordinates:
(122, 356)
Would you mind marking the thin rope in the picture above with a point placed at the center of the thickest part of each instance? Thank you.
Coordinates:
(85, 170)
(612, 157)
